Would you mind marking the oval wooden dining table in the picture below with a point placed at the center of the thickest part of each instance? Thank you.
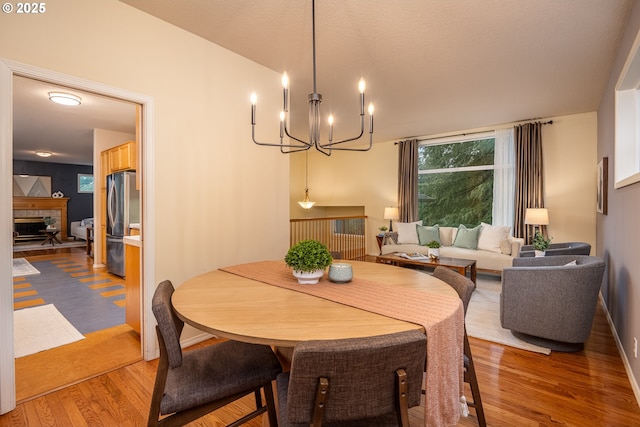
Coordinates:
(260, 303)
(238, 308)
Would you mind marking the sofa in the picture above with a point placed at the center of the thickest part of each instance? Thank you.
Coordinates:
(78, 229)
(492, 247)
(569, 248)
(550, 301)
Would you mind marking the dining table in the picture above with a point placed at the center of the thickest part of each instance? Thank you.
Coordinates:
(262, 303)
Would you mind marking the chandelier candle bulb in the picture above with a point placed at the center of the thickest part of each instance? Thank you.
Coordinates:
(370, 118)
(254, 99)
(330, 127)
(285, 92)
(281, 124)
(361, 88)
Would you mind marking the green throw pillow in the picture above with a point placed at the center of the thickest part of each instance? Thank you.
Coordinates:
(428, 234)
(467, 237)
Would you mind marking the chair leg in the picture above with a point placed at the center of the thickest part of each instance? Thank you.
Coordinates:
(271, 405)
(470, 377)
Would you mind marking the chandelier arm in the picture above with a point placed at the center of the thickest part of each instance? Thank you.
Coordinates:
(286, 131)
(330, 146)
(268, 144)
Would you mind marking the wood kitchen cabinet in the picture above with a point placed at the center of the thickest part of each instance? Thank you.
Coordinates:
(132, 282)
(122, 157)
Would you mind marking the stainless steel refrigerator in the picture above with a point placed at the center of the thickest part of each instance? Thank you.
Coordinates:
(123, 208)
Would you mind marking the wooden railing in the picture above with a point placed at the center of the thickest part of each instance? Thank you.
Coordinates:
(346, 234)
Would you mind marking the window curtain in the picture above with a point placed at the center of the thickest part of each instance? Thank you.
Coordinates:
(529, 175)
(408, 180)
(504, 178)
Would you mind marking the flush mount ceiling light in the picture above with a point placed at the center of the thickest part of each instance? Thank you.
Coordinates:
(64, 98)
(315, 99)
(44, 153)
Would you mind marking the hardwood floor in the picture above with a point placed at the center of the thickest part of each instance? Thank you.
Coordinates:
(519, 388)
(101, 351)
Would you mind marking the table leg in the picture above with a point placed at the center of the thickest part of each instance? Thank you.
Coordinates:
(56, 239)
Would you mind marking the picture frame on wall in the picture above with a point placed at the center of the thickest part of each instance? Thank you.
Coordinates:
(603, 182)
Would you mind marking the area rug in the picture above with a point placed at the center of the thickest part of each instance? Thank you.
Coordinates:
(33, 246)
(483, 316)
(90, 300)
(22, 267)
(40, 328)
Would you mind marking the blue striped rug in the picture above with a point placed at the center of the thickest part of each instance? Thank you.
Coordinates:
(91, 301)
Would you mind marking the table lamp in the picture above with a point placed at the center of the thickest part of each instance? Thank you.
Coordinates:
(536, 217)
(391, 214)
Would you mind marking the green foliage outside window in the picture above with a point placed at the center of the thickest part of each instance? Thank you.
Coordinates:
(455, 185)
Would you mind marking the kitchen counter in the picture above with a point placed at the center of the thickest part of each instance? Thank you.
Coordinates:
(132, 240)
(132, 281)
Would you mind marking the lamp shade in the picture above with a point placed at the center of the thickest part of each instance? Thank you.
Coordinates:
(391, 213)
(536, 216)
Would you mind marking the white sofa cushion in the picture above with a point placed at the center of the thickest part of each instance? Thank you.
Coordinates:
(491, 237)
(407, 233)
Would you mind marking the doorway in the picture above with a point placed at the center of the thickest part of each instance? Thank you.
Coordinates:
(9, 69)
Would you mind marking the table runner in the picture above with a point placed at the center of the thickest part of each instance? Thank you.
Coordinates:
(442, 317)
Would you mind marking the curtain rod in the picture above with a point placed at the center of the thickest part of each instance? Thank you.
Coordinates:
(550, 122)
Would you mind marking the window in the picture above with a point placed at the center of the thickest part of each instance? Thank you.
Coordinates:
(627, 132)
(455, 182)
(85, 183)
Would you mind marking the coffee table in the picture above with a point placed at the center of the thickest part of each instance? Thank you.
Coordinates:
(50, 236)
(458, 264)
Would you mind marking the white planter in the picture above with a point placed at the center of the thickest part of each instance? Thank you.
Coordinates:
(434, 252)
(540, 253)
(308, 278)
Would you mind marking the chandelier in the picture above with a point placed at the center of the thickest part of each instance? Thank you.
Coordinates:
(315, 99)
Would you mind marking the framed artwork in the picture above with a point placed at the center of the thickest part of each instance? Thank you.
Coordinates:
(85, 183)
(603, 182)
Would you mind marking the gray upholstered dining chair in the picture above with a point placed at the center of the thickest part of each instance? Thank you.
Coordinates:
(369, 381)
(193, 383)
(464, 287)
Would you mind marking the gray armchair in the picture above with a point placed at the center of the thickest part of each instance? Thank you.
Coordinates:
(568, 248)
(550, 303)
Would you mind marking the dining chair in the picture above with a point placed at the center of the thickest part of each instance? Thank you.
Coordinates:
(193, 383)
(370, 381)
(464, 287)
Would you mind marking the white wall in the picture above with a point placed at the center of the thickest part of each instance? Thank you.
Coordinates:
(220, 199)
(370, 179)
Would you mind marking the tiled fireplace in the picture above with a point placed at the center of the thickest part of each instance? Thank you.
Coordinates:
(40, 207)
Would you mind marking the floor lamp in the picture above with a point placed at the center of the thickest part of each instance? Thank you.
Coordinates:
(536, 217)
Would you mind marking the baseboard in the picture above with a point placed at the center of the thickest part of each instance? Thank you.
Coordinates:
(196, 339)
(623, 355)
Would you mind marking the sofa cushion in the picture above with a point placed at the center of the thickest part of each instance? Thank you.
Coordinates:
(428, 234)
(505, 247)
(491, 237)
(467, 237)
(407, 233)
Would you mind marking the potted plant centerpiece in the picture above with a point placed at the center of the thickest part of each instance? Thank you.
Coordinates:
(308, 259)
(383, 230)
(540, 244)
(434, 249)
(49, 221)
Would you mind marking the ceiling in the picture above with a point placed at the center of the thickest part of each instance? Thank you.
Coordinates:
(65, 131)
(431, 66)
